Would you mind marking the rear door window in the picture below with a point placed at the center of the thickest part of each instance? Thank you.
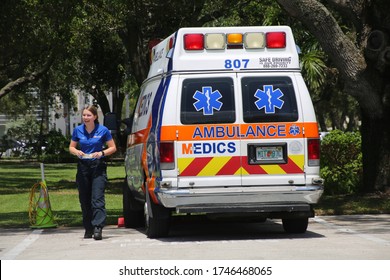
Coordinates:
(268, 99)
(207, 101)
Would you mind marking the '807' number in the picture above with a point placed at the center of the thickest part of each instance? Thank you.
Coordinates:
(236, 63)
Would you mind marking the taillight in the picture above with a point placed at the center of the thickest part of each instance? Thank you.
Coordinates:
(170, 44)
(275, 40)
(193, 42)
(167, 155)
(313, 149)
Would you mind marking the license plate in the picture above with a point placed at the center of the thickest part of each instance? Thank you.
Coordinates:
(269, 153)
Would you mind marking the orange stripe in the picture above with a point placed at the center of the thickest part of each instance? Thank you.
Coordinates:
(168, 133)
(311, 130)
(237, 131)
(138, 137)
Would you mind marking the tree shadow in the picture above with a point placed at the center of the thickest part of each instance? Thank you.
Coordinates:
(63, 218)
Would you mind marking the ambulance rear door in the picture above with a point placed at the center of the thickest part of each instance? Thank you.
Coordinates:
(208, 146)
(272, 130)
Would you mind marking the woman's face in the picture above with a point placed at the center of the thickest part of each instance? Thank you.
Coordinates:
(88, 117)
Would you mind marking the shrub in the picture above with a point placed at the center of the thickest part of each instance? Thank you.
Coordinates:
(341, 162)
(56, 148)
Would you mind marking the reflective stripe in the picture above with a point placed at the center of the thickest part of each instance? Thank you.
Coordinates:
(214, 166)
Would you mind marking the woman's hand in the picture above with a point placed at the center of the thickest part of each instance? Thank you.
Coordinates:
(80, 154)
(97, 155)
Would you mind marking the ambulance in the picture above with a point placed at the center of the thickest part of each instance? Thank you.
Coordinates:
(224, 126)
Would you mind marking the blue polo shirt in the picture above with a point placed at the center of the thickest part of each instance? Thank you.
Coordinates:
(91, 142)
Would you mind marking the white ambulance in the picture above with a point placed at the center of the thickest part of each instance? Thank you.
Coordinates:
(224, 125)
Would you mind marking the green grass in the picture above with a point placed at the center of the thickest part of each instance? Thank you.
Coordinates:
(352, 204)
(18, 178)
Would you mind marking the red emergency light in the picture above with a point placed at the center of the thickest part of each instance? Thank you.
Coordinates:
(170, 44)
(275, 40)
(194, 42)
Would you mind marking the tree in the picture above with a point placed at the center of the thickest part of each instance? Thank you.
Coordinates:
(354, 34)
(140, 24)
(333, 109)
(33, 34)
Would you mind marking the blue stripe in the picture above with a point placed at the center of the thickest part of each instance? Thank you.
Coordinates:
(155, 130)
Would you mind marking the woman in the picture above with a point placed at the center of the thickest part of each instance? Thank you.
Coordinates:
(88, 141)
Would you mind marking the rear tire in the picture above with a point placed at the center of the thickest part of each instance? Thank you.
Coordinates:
(158, 225)
(295, 225)
(132, 209)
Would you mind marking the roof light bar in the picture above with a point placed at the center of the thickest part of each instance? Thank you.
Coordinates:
(220, 41)
(215, 41)
(234, 38)
(234, 41)
(254, 40)
(193, 42)
(276, 40)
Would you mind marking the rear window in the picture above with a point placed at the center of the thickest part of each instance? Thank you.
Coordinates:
(268, 99)
(207, 101)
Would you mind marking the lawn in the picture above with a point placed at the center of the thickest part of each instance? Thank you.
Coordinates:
(18, 178)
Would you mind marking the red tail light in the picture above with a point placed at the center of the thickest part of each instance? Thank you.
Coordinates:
(167, 155)
(275, 40)
(313, 149)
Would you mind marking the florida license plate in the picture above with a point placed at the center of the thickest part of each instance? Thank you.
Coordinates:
(269, 153)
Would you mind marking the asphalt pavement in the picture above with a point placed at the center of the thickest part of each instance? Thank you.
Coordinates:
(355, 237)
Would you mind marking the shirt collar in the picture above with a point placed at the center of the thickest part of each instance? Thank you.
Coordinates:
(93, 131)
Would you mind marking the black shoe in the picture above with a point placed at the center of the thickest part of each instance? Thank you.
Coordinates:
(97, 234)
(88, 234)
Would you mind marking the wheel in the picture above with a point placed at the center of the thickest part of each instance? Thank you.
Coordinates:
(132, 209)
(295, 225)
(158, 225)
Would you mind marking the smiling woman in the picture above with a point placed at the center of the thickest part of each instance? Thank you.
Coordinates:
(88, 141)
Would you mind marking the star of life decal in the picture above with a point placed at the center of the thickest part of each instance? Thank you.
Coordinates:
(269, 99)
(207, 100)
(294, 130)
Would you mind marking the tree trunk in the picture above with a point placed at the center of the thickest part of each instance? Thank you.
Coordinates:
(117, 108)
(362, 81)
(131, 38)
(376, 156)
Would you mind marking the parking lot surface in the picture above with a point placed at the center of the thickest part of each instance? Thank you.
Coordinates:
(356, 237)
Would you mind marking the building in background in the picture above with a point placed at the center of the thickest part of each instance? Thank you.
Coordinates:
(60, 116)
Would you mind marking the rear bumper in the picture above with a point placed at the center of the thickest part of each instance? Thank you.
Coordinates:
(241, 199)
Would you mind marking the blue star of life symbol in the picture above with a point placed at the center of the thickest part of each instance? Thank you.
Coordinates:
(269, 99)
(294, 130)
(207, 100)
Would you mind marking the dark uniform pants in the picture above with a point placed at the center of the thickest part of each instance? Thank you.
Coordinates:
(91, 181)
